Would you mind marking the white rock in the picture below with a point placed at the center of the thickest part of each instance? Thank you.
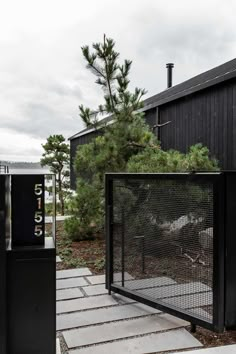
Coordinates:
(175, 226)
(206, 238)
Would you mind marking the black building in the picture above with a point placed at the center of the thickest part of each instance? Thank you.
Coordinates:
(199, 110)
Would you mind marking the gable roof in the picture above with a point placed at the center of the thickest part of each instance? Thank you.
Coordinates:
(209, 78)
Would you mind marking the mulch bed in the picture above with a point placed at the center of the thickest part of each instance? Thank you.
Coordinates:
(212, 339)
(91, 254)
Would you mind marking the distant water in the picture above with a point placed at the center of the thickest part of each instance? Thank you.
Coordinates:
(29, 171)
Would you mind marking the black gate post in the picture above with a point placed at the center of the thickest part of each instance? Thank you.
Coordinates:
(230, 251)
(109, 231)
(31, 272)
(3, 323)
(123, 247)
(219, 253)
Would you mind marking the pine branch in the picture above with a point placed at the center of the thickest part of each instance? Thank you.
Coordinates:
(143, 146)
(90, 58)
(160, 125)
(107, 76)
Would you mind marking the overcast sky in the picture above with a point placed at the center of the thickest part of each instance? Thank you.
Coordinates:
(43, 77)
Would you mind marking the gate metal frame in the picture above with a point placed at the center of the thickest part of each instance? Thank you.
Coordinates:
(3, 260)
(218, 182)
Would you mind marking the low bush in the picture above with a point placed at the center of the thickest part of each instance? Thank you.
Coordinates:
(77, 230)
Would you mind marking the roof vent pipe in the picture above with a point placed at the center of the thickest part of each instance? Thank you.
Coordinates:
(169, 74)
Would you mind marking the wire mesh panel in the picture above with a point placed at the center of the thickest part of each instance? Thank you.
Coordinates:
(162, 241)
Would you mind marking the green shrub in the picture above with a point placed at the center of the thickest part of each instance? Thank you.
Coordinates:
(156, 160)
(49, 208)
(78, 231)
(100, 263)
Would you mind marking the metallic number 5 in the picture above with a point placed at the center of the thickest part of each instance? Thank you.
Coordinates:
(38, 216)
(38, 189)
(38, 230)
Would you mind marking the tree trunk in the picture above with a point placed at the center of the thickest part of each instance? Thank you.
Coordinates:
(60, 192)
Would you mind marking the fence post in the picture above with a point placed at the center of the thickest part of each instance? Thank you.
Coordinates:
(219, 254)
(3, 317)
(123, 247)
(109, 231)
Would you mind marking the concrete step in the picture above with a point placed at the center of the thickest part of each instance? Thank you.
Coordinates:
(226, 349)
(98, 289)
(58, 259)
(137, 284)
(102, 315)
(91, 303)
(71, 283)
(151, 343)
(122, 329)
(175, 290)
(67, 294)
(100, 279)
(71, 273)
(190, 301)
(58, 346)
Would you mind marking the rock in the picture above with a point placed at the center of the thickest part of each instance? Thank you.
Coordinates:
(206, 238)
(173, 229)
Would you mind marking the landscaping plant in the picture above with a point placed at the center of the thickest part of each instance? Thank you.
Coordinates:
(127, 143)
(57, 156)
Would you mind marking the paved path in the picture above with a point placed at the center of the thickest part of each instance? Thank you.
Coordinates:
(90, 321)
(227, 349)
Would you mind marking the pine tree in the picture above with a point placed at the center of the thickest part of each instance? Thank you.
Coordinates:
(127, 144)
(56, 156)
(128, 134)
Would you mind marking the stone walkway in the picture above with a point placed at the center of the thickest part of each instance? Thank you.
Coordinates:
(227, 349)
(90, 321)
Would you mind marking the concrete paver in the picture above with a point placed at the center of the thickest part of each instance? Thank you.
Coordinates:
(151, 343)
(94, 322)
(122, 329)
(100, 279)
(175, 290)
(71, 293)
(226, 349)
(148, 283)
(98, 289)
(190, 301)
(102, 315)
(91, 302)
(71, 283)
(58, 346)
(71, 273)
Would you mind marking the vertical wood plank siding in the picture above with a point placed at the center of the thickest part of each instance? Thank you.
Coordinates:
(207, 117)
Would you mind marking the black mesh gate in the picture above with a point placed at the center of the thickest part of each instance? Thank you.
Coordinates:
(165, 243)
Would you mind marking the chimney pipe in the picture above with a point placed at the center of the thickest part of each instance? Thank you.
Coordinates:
(169, 74)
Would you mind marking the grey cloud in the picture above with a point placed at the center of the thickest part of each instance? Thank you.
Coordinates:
(41, 120)
(67, 90)
(43, 75)
(32, 151)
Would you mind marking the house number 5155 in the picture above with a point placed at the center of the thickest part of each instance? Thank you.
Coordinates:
(38, 216)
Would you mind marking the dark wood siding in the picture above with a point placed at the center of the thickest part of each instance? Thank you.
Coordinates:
(150, 117)
(207, 117)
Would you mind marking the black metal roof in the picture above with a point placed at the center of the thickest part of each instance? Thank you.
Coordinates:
(209, 78)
